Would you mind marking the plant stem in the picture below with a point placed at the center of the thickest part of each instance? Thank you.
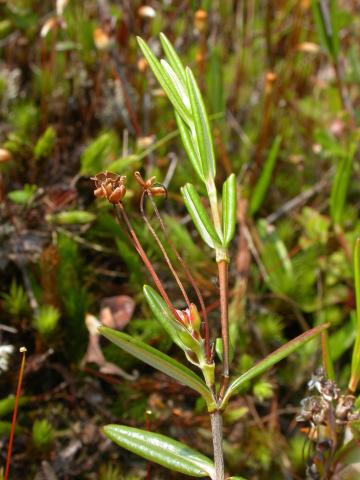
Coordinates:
(223, 281)
(216, 429)
(121, 214)
(16, 406)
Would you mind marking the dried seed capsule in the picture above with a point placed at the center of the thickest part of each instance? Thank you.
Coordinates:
(117, 195)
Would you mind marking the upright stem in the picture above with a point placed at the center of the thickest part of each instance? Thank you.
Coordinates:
(216, 429)
(223, 281)
(16, 406)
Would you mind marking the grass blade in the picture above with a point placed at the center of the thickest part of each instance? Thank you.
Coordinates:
(163, 450)
(263, 182)
(340, 187)
(274, 357)
(355, 364)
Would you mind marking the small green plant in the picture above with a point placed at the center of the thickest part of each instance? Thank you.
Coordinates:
(46, 321)
(24, 196)
(188, 327)
(42, 434)
(16, 302)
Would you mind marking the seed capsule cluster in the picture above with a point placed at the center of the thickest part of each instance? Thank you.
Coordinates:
(317, 409)
(109, 185)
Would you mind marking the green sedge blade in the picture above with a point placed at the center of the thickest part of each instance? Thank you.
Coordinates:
(355, 364)
(340, 186)
(263, 182)
(173, 58)
(189, 147)
(163, 450)
(70, 218)
(274, 357)
(158, 360)
(164, 80)
(229, 208)
(202, 127)
(179, 334)
(200, 216)
(326, 22)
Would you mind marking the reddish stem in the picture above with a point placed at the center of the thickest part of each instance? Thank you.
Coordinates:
(16, 406)
(120, 213)
(189, 277)
(163, 251)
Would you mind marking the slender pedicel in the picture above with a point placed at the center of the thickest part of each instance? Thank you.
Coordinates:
(163, 251)
(16, 406)
(189, 277)
(121, 214)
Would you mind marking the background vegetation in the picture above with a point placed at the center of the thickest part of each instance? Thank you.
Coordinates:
(281, 80)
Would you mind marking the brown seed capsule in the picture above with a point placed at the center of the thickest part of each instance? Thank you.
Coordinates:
(5, 155)
(159, 191)
(200, 20)
(109, 185)
(117, 195)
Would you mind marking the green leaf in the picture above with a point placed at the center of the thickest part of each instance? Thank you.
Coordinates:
(71, 218)
(326, 25)
(158, 360)
(45, 144)
(189, 146)
(165, 81)
(215, 82)
(179, 334)
(229, 208)
(178, 85)
(98, 153)
(202, 127)
(355, 364)
(173, 58)
(340, 187)
(263, 182)
(23, 197)
(200, 216)
(272, 359)
(162, 450)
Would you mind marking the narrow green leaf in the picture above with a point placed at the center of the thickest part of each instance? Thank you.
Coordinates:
(326, 25)
(173, 58)
(355, 364)
(200, 216)
(73, 217)
(179, 334)
(215, 82)
(229, 208)
(202, 127)
(272, 359)
(165, 81)
(158, 360)
(263, 182)
(178, 85)
(189, 147)
(340, 186)
(163, 450)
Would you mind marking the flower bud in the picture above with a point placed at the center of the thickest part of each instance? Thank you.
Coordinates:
(195, 319)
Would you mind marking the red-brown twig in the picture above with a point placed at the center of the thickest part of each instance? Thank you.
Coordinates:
(16, 406)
